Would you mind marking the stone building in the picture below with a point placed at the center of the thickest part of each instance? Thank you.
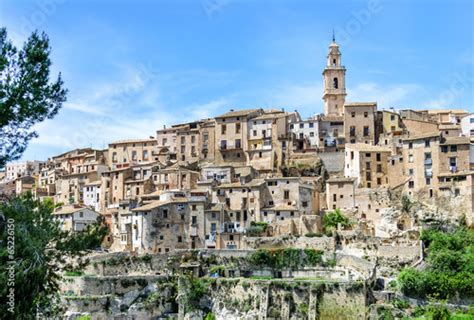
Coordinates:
(72, 170)
(19, 169)
(166, 144)
(367, 163)
(74, 217)
(175, 177)
(288, 197)
(266, 150)
(359, 122)
(340, 193)
(231, 130)
(160, 226)
(428, 156)
(125, 153)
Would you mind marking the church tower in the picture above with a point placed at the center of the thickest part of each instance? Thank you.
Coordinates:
(334, 82)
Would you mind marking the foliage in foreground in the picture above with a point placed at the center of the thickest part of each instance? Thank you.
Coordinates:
(41, 254)
(450, 270)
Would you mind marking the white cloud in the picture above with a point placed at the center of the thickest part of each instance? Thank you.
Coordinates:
(385, 96)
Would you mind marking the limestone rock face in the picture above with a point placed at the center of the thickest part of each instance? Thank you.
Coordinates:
(388, 223)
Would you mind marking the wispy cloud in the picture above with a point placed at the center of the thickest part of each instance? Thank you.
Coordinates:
(385, 96)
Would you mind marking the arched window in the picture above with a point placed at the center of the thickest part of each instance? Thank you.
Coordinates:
(334, 62)
(134, 155)
(335, 83)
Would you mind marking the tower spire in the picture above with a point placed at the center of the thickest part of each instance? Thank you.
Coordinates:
(333, 36)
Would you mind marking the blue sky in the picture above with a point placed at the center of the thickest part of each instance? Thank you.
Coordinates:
(133, 66)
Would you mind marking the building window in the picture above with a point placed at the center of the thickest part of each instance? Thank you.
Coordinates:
(410, 172)
(352, 131)
(145, 154)
(304, 204)
(311, 125)
(411, 184)
(366, 131)
(366, 114)
(353, 114)
(301, 125)
(379, 168)
(237, 128)
(223, 129)
(444, 149)
(454, 148)
(286, 194)
(379, 181)
(427, 143)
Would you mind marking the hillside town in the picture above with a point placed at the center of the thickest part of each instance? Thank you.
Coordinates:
(208, 183)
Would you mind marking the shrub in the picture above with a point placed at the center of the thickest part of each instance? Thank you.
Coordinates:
(313, 234)
(333, 218)
(449, 270)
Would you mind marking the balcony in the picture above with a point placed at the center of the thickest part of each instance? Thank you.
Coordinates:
(210, 243)
(228, 146)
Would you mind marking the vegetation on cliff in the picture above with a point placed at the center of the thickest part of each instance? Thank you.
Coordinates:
(287, 258)
(450, 266)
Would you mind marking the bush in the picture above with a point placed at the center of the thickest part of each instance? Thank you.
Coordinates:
(217, 270)
(333, 218)
(449, 271)
(313, 234)
(287, 258)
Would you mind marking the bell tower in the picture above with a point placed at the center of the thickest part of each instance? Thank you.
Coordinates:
(334, 82)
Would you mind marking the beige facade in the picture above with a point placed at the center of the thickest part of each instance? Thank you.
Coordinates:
(267, 152)
(367, 163)
(231, 143)
(419, 127)
(175, 177)
(334, 75)
(129, 152)
(340, 193)
(359, 122)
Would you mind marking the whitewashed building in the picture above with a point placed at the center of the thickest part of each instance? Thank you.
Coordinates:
(306, 131)
(467, 125)
(91, 194)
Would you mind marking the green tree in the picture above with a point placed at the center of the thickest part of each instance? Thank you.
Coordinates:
(333, 218)
(26, 94)
(449, 266)
(42, 252)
